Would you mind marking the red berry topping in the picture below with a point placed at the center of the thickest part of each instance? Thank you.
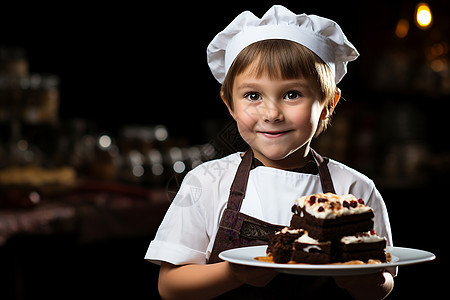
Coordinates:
(320, 209)
(312, 200)
(353, 203)
(321, 200)
(360, 201)
(346, 204)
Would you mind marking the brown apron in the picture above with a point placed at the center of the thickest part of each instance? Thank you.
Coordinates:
(237, 229)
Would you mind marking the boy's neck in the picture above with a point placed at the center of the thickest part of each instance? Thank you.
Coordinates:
(297, 159)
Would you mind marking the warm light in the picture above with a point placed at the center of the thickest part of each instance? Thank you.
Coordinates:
(438, 65)
(423, 15)
(402, 28)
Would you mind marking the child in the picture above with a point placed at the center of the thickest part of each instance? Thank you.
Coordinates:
(279, 76)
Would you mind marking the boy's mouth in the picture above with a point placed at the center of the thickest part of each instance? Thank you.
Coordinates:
(274, 134)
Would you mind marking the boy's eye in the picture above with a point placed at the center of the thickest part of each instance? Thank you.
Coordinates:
(253, 96)
(291, 95)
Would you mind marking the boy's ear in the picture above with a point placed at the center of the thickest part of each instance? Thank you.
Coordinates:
(328, 110)
(227, 105)
(337, 96)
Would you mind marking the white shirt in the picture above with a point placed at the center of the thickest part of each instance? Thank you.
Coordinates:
(187, 232)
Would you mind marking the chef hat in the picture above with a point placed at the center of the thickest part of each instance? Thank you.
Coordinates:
(322, 36)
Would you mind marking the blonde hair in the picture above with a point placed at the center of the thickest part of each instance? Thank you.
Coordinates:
(286, 60)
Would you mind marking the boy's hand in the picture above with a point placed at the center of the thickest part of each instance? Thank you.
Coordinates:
(371, 286)
(254, 276)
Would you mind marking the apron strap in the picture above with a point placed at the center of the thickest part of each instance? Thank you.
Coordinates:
(324, 173)
(239, 185)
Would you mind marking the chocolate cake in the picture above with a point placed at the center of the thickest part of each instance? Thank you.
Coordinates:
(328, 228)
(311, 251)
(280, 246)
(362, 246)
(329, 216)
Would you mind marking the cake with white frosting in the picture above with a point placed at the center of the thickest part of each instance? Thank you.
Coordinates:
(280, 246)
(329, 216)
(328, 228)
(361, 246)
(312, 251)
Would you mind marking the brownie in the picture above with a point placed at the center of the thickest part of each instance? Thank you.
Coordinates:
(362, 246)
(334, 216)
(312, 252)
(281, 244)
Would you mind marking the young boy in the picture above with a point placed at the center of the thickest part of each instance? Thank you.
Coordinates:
(279, 76)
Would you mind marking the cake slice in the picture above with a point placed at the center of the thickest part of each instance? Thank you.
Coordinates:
(329, 216)
(281, 244)
(362, 246)
(311, 251)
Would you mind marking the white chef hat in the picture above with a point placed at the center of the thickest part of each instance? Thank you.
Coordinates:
(322, 36)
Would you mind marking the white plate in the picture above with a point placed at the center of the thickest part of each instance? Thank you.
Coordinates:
(400, 257)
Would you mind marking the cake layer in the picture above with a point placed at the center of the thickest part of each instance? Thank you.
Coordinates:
(363, 241)
(303, 213)
(362, 246)
(361, 255)
(346, 225)
(311, 253)
(310, 258)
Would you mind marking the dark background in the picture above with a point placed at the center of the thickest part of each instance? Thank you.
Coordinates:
(131, 63)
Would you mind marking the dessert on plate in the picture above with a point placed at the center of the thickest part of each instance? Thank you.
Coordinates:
(361, 246)
(311, 251)
(328, 228)
(280, 245)
(329, 216)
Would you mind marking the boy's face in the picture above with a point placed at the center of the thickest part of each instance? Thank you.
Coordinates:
(276, 117)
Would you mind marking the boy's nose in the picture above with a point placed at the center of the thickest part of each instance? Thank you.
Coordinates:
(272, 112)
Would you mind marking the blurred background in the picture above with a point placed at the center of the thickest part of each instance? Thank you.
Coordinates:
(104, 108)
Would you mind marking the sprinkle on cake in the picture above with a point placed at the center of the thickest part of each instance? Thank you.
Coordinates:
(330, 206)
